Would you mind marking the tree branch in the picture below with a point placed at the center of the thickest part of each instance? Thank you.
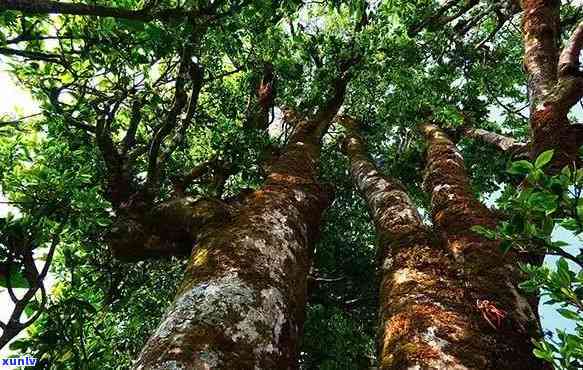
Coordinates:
(33, 55)
(17, 121)
(261, 100)
(141, 236)
(569, 58)
(13, 326)
(504, 143)
(440, 19)
(56, 7)
(181, 184)
(196, 77)
(540, 28)
(169, 123)
(135, 119)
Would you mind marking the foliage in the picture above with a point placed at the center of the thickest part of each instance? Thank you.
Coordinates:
(83, 71)
(538, 210)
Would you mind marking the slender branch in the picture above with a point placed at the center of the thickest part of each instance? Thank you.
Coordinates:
(13, 326)
(56, 7)
(416, 28)
(33, 55)
(223, 75)
(136, 117)
(9, 280)
(51, 253)
(196, 76)
(501, 22)
(17, 121)
(169, 123)
(464, 27)
(26, 38)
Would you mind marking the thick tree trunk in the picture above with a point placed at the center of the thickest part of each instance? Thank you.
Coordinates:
(424, 321)
(241, 303)
(503, 321)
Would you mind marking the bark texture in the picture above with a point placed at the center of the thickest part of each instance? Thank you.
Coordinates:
(502, 319)
(241, 303)
(504, 143)
(424, 321)
(555, 82)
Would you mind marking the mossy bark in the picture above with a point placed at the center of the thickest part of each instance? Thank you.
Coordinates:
(419, 324)
(555, 83)
(429, 318)
(502, 319)
(241, 303)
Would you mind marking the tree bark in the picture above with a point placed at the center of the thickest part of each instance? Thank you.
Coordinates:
(503, 320)
(555, 83)
(261, 100)
(424, 321)
(504, 143)
(241, 303)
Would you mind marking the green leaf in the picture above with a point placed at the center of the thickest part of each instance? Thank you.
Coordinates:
(544, 201)
(580, 209)
(520, 168)
(544, 158)
(17, 279)
(18, 345)
(570, 224)
(544, 354)
(528, 286)
(559, 244)
(563, 271)
(547, 227)
(485, 232)
(568, 314)
(505, 246)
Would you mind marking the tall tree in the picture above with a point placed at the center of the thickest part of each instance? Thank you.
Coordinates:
(489, 276)
(423, 322)
(447, 300)
(241, 302)
(160, 130)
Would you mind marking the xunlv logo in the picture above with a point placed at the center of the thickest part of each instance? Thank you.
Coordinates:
(19, 361)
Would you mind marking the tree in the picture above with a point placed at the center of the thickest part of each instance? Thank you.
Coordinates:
(242, 299)
(423, 299)
(171, 129)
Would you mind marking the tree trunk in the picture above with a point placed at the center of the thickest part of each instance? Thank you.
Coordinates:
(424, 321)
(241, 303)
(502, 319)
(554, 82)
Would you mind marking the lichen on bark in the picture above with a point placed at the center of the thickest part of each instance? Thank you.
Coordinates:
(503, 320)
(241, 302)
